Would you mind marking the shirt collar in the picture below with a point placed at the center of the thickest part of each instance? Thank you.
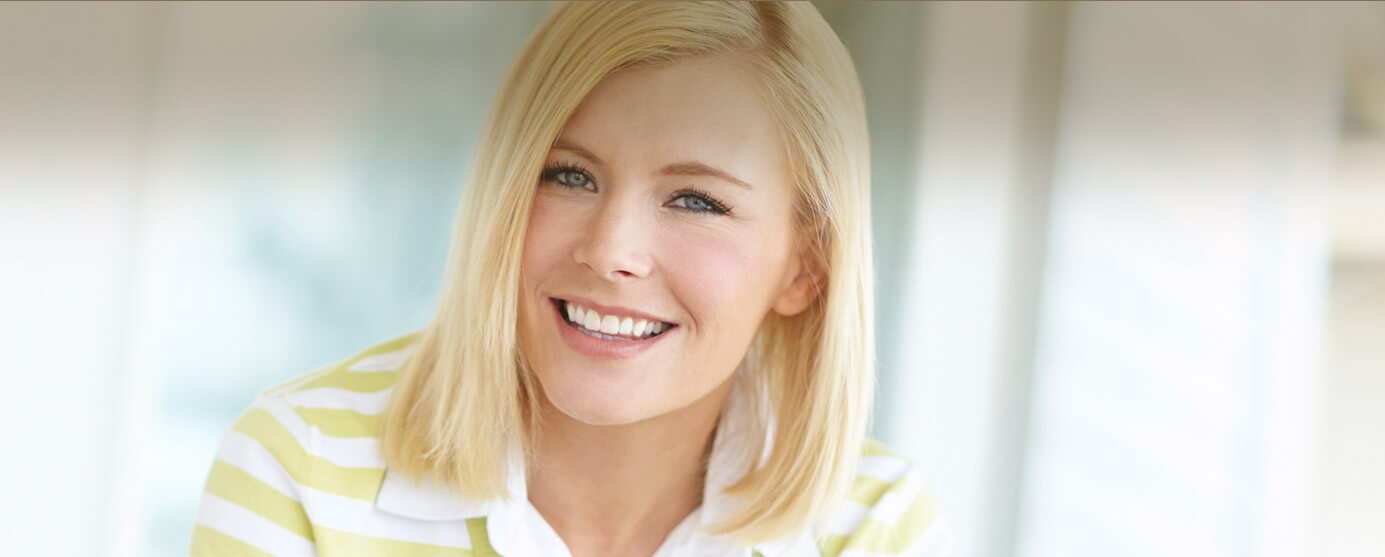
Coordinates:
(426, 500)
(507, 519)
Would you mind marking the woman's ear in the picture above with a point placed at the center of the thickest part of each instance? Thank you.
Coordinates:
(804, 282)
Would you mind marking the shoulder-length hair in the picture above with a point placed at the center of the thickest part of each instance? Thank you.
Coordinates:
(466, 393)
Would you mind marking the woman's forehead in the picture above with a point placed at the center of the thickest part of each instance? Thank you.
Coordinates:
(706, 109)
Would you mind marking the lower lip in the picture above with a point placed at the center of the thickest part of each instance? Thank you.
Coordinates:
(599, 347)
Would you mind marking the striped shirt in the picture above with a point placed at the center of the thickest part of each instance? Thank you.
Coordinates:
(300, 473)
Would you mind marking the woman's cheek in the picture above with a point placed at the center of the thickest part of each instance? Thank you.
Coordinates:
(716, 271)
(542, 237)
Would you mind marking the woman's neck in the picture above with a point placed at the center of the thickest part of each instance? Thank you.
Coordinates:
(620, 490)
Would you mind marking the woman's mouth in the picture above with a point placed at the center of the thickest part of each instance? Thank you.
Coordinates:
(609, 327)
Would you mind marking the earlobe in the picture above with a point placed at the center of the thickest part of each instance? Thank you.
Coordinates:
(801, 291)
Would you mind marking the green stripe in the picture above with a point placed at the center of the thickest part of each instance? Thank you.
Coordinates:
(240, 487)
(291, 383)
(338, 542)
(207, 542)
(831, 546)
(871, 447)
(480, 538)
(916, 520)
(341, 422)
(354, 381)
(876, 536)
(866, 490)
(306, 469)
(879, 537)
(392, 345)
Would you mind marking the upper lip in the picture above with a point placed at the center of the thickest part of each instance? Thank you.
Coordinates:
(612, 310)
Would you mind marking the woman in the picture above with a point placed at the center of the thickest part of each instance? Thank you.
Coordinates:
(655, 336)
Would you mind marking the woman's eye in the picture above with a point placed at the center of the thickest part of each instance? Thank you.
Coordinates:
(698, 203)
(569, 177)
(575, 179)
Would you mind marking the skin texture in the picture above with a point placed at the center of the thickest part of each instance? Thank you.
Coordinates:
(623, 441)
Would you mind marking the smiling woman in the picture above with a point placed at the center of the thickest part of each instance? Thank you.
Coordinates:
(655, 336)
(710, 255)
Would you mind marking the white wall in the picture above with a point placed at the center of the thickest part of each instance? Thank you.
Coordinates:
(1178, 355)
(1118, 295)
(73, 154)
(1350, 505)
(988, 96)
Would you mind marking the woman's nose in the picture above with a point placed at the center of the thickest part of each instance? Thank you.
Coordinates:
(615, 241)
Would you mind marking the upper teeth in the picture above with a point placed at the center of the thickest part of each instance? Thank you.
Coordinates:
(611, 324)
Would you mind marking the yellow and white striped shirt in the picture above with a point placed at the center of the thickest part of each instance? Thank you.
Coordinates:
(300, 473)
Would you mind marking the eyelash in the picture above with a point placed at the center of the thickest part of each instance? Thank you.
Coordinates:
(551, 173)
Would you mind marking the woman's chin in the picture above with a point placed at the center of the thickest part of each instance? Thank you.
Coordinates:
(593, 405)
(599, 413)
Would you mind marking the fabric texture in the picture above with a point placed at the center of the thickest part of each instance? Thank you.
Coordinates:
(300, 473)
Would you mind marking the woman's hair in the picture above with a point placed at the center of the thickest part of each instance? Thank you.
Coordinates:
(466, 392)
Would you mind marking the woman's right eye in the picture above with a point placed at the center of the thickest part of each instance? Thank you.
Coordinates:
(568, 177)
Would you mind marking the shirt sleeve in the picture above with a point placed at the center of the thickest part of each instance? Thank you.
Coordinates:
(889, 513)
(252, 504)
(918, 530)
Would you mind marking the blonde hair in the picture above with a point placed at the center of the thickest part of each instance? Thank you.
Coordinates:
(466, 393)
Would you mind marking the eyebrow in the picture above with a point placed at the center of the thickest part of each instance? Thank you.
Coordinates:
(566, 146)
(694, 168)
(686, 168)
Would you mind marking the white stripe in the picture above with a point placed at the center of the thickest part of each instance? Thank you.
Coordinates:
(888, 468)
(388, 361)
(244, 452)
(233, 520)
(849, 514)
(363, 518)
(894, 503)
(847, 519)
(350, 452)
(292, 422)
(332, 397)
(935, 542)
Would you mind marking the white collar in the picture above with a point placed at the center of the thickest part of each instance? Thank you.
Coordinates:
(510, 520)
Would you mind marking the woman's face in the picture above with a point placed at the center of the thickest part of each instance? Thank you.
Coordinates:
(660, 236)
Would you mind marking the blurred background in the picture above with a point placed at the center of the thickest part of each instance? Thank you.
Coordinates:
(1131, 256)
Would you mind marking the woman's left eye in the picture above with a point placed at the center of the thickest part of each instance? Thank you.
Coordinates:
(698, 203)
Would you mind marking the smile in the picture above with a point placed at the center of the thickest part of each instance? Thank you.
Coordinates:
(609, 327)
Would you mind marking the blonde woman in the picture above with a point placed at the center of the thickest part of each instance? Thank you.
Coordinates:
(655, 335)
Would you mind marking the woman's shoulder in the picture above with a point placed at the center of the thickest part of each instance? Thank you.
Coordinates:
(368, 371)
(890, 511)
(314, 437)
(337, 404)
(343, 400)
